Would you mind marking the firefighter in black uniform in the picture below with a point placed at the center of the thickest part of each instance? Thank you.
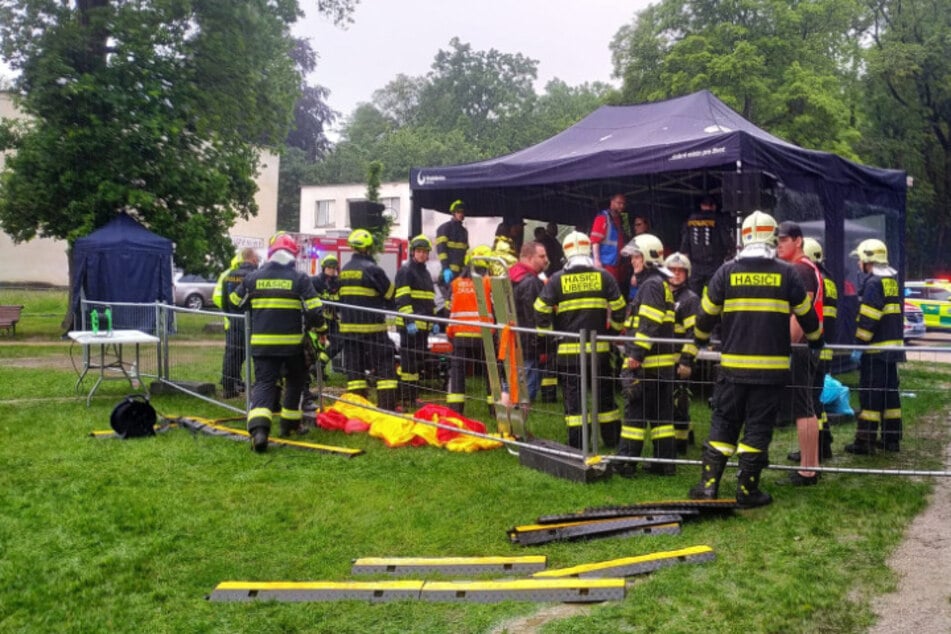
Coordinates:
(282, 301)
(707, 239)
(415, 295)
(879, 325)
(366, 346)
(327, 285)
(583, 297)
(686, 305)
(648, 374)
(752, 297)
(452, 243)
(231, 371)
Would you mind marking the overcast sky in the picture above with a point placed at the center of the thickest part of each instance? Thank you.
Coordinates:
(569, 38)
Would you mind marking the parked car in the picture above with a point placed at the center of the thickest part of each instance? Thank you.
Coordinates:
(193, 291)
(914, 322)
(933, 297)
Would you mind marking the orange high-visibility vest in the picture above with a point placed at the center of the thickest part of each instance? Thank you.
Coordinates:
(465, 307)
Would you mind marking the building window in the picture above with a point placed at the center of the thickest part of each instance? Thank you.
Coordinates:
(324, 214)
(391, 206)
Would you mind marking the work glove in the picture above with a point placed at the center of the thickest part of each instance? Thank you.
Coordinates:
(435, 329)
(411, 328)
(447, 275)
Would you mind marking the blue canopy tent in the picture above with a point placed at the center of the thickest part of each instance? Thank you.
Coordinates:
(122, 261)
(664, 157)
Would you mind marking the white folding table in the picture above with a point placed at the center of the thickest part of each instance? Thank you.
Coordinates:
(110, 356)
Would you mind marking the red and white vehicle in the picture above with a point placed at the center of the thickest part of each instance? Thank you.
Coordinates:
(313, 249)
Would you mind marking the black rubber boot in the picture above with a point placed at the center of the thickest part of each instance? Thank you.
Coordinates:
(825, 445)
(259, 439)
(748, 493)
(711, 470)
(665, 449)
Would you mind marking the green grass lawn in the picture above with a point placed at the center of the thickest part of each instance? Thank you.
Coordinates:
(107, 535)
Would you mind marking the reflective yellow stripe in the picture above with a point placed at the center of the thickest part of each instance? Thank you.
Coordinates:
(275, 302)
(617, 304)
(747, 449)
(582, 304)
(708, 306)
(609, 417)
(892, 413)
(362, 328)
(662, 431)
(291, 414)
(313, 303)
(261, 339)
(573, 421)
(863, 335)
(879, 345)
(724, 448)
(406, 376)
(455, 398)
(456, 245)
(358, 291)
(659, 360)
(826, 354)
(690, 349)
(359, 384)
(754, 362)
(870, 415)
(651, 313)
(575, 348)
(690, 321)
(549, 381)
(891, 309)
(804, 307)
(872, 313)
(234, 298)
(632, 433)
(541, 306)
(389, 384)
(756, 305)
(260, 412)
(829, 311)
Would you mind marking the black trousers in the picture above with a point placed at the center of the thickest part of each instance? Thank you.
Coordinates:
(651, 403)
(747, 408)
(879, 399)
(371, 353)
(413, 351)
(267, 374)
(465, 350)
(609, 415)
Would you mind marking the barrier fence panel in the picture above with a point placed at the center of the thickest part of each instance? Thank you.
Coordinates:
(435, 369)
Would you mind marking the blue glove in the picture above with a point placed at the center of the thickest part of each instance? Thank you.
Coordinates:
(447, 275)
(411, 328)
(435, 329)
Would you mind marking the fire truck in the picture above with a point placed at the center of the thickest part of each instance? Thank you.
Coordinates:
(313, 249)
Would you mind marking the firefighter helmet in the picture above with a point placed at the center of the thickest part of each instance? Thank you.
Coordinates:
(480, 251)
(575, 244)
(812, 249)
(457, 205)
(759, 228)
(678, 260)
(283, 242)
(648, 246)
(420, 242)
(330, 260)
(871, 251)
(360, 239)
(275, 237)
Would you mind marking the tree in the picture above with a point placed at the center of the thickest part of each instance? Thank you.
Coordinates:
(908, 106)
(158, 108)
(791, 68)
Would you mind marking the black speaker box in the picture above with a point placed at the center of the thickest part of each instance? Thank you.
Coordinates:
(365, 215)
(744, 192)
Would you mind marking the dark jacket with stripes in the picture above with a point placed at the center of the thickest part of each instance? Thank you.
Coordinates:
(364, 284)
(452, 242)
(282, 301)
(880, 323)
(579, 298)
(753, 298)
(415, 294)
(651, 316)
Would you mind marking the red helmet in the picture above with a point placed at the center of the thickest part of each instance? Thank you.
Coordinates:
(283, 242)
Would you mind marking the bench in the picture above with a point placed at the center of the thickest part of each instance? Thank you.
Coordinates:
(9, 316)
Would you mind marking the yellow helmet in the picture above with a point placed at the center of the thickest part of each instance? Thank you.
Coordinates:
(871, 251)
(759, 228)
(479, 251)
(420, 242)
(678, 261)
(457, 205)
(813, 249)
(575, 244)
(360, 239)
(330, 260)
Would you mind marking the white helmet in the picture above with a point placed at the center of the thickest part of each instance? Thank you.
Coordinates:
(648, 246)
(759, 228)
(678, 260)
(575, 244)
(871, 251)
(812, 249)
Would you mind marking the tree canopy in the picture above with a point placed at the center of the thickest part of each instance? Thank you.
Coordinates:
(155, 107)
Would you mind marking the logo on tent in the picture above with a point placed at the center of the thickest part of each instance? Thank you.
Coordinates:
(428, 180)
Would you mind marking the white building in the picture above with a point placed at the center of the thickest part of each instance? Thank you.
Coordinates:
(324, 210)
(43, 260)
